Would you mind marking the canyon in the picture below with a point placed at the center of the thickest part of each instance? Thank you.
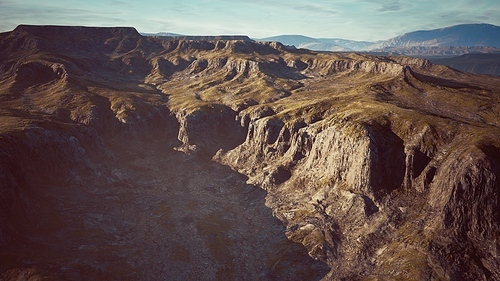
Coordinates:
(126, 157)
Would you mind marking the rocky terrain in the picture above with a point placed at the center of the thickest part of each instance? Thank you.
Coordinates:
(139, 158)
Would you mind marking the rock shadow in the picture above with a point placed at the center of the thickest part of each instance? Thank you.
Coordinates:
(155, 214)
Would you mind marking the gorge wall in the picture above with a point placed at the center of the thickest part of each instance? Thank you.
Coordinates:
(117, 147)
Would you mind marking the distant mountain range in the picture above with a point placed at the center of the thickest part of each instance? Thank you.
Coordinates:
(468, 47)
(442, 46)
(320, 44)
(465, 35)
(470, 35)
(483, 35)
(161, 34)
(198, 37)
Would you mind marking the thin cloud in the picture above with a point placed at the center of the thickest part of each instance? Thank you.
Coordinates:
(316, 9)
(123, 4)
(391, 7)
(60, 16)
(490, 16)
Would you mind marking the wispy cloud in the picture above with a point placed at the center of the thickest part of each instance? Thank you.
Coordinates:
(123, 4)
(351, 19)
(59, 16)
(388, 6)
(391, 6)
(316, 9)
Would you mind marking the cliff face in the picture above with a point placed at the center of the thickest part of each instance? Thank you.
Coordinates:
(379, 167)
(359, 195)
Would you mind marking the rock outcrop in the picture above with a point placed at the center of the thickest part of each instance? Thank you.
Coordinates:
(378, 168)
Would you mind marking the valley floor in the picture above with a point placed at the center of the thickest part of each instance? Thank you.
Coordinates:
(151, 213)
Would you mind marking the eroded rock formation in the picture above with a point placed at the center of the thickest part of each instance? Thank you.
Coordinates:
(379, 168)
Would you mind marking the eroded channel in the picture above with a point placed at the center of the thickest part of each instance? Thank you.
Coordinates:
(151, 213)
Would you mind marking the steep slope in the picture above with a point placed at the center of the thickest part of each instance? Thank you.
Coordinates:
(117, 149)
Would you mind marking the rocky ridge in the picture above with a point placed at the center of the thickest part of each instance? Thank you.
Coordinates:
(382, 167)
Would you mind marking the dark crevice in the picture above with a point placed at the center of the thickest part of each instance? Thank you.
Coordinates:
(133, 207)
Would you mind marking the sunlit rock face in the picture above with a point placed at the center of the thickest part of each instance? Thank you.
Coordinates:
(139, 158)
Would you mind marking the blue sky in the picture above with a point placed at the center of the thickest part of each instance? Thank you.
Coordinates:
(349, 19)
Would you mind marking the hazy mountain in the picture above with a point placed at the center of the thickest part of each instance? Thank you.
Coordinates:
(304, 42)
(465, 35)
(348, 44)
(162, 34)
(429, 52)
(445, 46)
(320, 44)
(459, 35)
(295, 40)
(198, 37)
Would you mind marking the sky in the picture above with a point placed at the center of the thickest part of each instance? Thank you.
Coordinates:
(368, 20)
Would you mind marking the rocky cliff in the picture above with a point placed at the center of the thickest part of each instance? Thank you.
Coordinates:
(116, 151)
